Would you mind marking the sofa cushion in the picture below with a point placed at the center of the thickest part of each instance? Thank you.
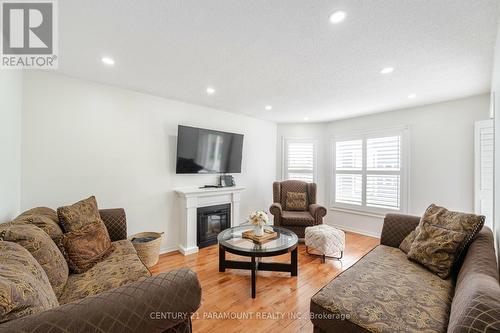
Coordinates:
(436, 248)
(87, 246)
(24, 286)
(122, 266)
(42, 248)
(79, 214)
(385, 292)
(297, 218)
(43, 217)
(296, 201)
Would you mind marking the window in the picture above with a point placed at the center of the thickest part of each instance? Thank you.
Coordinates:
(299, 159)
(369, 172)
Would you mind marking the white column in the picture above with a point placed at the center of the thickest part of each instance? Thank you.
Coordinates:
(235, 209)
(188, 239)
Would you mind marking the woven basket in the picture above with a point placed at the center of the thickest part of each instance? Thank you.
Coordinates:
(149, 252)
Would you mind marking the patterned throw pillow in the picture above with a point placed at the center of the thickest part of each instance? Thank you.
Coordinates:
(42, 248)
(24, 286)
(296, 201)
(87, 246)
(79, 214)
(43, 217)
(470, 224)
(436, 248)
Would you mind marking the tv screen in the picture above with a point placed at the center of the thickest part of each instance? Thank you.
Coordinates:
(206, 151)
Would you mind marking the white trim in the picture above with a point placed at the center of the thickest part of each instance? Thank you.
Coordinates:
(404, 133)
(284, 155)
(357, 231)
(168, 249)
(357, 212)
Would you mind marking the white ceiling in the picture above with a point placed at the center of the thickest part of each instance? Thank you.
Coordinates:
(284, 53)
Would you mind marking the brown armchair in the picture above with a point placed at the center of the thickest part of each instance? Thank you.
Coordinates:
(296, 220)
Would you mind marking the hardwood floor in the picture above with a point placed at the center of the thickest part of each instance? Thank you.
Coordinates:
(282, 303)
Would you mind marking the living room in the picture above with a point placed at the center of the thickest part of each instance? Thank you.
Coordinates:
(338, 128)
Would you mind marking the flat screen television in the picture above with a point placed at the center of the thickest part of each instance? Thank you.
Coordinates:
(201, 150)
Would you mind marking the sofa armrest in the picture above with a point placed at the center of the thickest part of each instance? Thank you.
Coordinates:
(116, 223)
(317, 210)
(155, 304)
(276, 210)
(396, 228)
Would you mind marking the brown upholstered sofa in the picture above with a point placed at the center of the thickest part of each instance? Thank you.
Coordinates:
(385, 292)
(118, 294)
(294, 220)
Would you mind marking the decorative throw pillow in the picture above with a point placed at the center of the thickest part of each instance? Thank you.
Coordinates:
(24, 286)
(470, 224)
(436, 248)
(296, 201)
(43, 217)
(42, 248)
(406, 243)
(87, 246)
(79, 214)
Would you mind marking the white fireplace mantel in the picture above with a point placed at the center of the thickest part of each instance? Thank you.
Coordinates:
(193, 197)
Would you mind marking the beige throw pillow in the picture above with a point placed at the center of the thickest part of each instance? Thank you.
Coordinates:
(24, 286)
(42, 248)
(78, 215)
(468, 223)
(296, 201)
(436, 248)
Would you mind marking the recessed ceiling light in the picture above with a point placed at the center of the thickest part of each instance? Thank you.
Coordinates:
(337, 17)
(412, 96)
(306, 118)
(268, 107)
(108, 61)
(210, 91)
(387, 70)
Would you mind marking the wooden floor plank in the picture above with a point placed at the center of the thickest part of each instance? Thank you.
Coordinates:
(282, 302)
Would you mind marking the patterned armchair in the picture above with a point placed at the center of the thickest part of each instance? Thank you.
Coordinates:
(295, 206)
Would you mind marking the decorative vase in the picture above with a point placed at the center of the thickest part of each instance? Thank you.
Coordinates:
(259, 230)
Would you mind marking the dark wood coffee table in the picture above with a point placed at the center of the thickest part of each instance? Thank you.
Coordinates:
(230, 240)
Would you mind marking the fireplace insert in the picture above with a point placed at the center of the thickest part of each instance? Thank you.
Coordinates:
(212, 220)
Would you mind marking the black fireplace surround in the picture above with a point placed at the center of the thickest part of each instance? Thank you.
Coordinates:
(210, 221)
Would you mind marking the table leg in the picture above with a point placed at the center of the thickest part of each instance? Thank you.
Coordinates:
(294, 262)
(222, 259)
(254, 268)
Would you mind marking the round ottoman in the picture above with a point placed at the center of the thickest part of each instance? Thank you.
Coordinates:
(326, 240)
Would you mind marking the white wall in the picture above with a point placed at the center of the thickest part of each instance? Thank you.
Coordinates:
(495, 88)
(82, 138)
(441, 156)
(10, 143)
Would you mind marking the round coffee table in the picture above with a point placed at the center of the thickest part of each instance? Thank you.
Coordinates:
(231, 240)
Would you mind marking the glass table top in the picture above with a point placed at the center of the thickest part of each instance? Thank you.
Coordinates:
(231, 238)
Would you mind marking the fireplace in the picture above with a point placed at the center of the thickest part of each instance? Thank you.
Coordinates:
(210, 221)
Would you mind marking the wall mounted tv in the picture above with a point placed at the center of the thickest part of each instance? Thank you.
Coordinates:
(206, 151)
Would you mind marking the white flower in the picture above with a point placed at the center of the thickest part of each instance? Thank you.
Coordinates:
(258, 218)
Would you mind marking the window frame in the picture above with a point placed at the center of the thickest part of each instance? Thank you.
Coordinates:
(403, 132)
(284, 155)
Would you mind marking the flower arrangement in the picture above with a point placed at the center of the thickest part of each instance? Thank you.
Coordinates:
(258, 219)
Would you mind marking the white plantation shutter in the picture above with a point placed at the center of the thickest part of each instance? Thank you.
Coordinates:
(484, 157)
(300, 159)
(383, 154)
(368, 172)
(349, 180)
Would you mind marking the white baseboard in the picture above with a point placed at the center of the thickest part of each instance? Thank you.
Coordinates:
(355, 230)
(168, 249)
